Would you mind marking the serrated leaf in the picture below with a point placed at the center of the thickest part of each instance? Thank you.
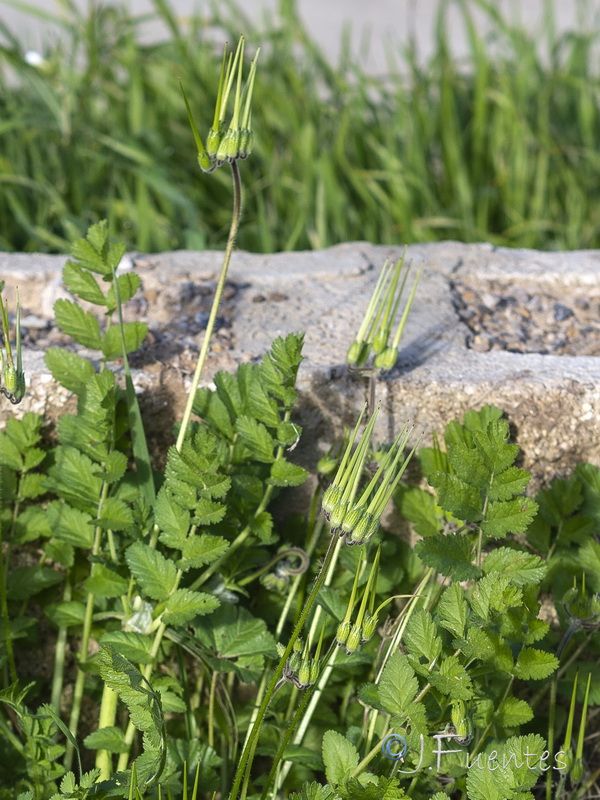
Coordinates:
(283, 473)
(79, 282)
(522, 568)
(153, 572)
(131, 645)
(508, 483)
(134, 333)
(109, 738)
(508, 516)
(256, 438)
(450, 555)
(116, 515)
(261, 526)
(10, 456)
(314, 791)
(398, 686)
(452, 609)
(78, 324)
(238, 640)
(69, 614)
(129, 283)
(71, 525)
(72, 477)
(513, 712)
(70, 370)
(452, 679)
(185, 604)
(173, 521)
(493, 594)
(419, 507)
(105, 582)
(198, 550)
(468, 464)
(24, 582)
(421, 636)
(484, 783)
(115, 466)
(458, 498)
(535, 664)
(368, 694)
(31, 485)
(339, 756)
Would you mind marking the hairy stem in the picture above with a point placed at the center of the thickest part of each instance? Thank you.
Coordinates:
(235, 224)
(246, 758)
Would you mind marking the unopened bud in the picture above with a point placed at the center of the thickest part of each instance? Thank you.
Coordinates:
(354, 638)
(343, 631)
(304, 674)
(10, 379)
(337, 515)
(206, 163)
(246, 142)
(387, 358)
(331, 498)
(380, 340)
(357, 354)
(280, 649)
(213, 140)
(577, 771)
(369, 627)
(365, 529)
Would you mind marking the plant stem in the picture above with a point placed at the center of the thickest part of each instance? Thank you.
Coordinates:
(108, 714)
(85, 641)
(235, 224)
(58, 673)
(246, 758)
(9, 648)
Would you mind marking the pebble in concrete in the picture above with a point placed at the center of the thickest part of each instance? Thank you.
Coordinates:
(552, 401)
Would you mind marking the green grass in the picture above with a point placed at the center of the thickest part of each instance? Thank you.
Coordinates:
(500, 146)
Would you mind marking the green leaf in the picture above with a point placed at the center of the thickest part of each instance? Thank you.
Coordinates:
(261, 526)
(131, 645)
(109, 738)
(535, 664)
(185, 604)
(314, 791)
(105, 582)
(201, 549)
(522, 568)
(155, 575)
(116, 515)
(339, 756)
(78, 324)
(493, 594)
(69, 614)
(173, 520)
(256, 438)
(420, 508)
(115, 466)
(24, 582)
(129, 283)
(508, 483)
(452, 679)
(10, 455)
(421, 637)
(508, 516)
(95, 253)
(31, 485)
(134, 333)
(455, 496)
(79, 282)
(485, 783)
(70, 370)
(452, 609)
(513, 712)
(238, 640)
(398, 686)
(72, 477)
(450, 555)
(283, 473)
(71, 525)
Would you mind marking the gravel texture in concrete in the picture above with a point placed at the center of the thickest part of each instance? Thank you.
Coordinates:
(552, 400)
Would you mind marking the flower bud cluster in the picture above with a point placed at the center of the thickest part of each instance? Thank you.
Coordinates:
(12, 377)
(227, 142)
(300, 669)
(374, 333)
(355, 515)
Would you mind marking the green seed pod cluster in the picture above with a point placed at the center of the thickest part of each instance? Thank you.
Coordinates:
(358, 353)
(12, 377)
(343, 631)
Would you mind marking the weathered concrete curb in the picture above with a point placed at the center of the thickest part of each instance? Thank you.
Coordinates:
(552, 401)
